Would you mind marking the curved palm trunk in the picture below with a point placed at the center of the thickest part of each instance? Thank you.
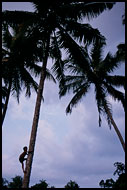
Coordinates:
(6, 102)
(116, 128)
(26, 179)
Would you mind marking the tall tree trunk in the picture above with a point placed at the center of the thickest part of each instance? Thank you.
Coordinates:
(116, 128)
(26, 179)
(6, 102)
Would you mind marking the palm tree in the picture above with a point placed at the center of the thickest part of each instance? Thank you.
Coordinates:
(20, 55)
(58, 31)
(17, 72)
(97, 73)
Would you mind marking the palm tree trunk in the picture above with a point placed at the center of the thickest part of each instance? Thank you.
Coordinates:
(6, 102)
(26, 179)
(116, 128)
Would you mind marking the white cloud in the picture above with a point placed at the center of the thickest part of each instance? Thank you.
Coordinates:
(24, 109)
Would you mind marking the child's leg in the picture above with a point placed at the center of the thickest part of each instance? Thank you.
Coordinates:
(23, 166)
(25, 159)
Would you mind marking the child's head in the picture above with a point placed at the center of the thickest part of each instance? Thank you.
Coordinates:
(25, 148)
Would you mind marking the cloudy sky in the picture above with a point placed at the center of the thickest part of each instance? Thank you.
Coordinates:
(68, 147)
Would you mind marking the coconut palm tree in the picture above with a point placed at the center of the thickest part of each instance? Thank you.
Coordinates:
(97, 73)
(19, 65)
(58, 31)
(17, 73)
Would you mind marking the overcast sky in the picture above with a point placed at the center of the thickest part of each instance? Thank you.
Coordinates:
(68, 147)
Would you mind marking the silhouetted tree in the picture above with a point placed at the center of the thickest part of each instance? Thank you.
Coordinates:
(41, 185)
(72, 185)
(120, 183)
(120, 168)
(108, 184)
(96, 71)
(16, 182)
(52, 187)
(17, 71)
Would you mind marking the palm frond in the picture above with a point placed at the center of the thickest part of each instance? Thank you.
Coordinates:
(120, 54)
(6, 37)
(116, 80)
(72, 83)
(43, 7)
(107, 110)
(83, 32)
(73, 69)
(4, 92)
(33, 68)
(80, 92)
(109, 64)
(94, 9)
(102, 103)
(96, 54)
(58, 66)
(58, 70)
(73, 49)
(80, 9)
(55, 52)
(116, 94)
(27, 81)
(16, 86)
(49, 76)
(99, 102)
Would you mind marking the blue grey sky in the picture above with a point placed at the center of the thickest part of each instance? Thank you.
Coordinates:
(68, 147)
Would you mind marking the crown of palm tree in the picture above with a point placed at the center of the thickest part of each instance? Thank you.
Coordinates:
(61, 20)
(14, 63)
(98, 72)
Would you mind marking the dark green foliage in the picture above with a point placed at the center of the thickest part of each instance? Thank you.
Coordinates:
(41, 185)
(120, 183)
(72, 185)
(16, 182)
(120, 168)
(107, 184)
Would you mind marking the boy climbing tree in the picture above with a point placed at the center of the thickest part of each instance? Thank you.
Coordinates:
(22, 157)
